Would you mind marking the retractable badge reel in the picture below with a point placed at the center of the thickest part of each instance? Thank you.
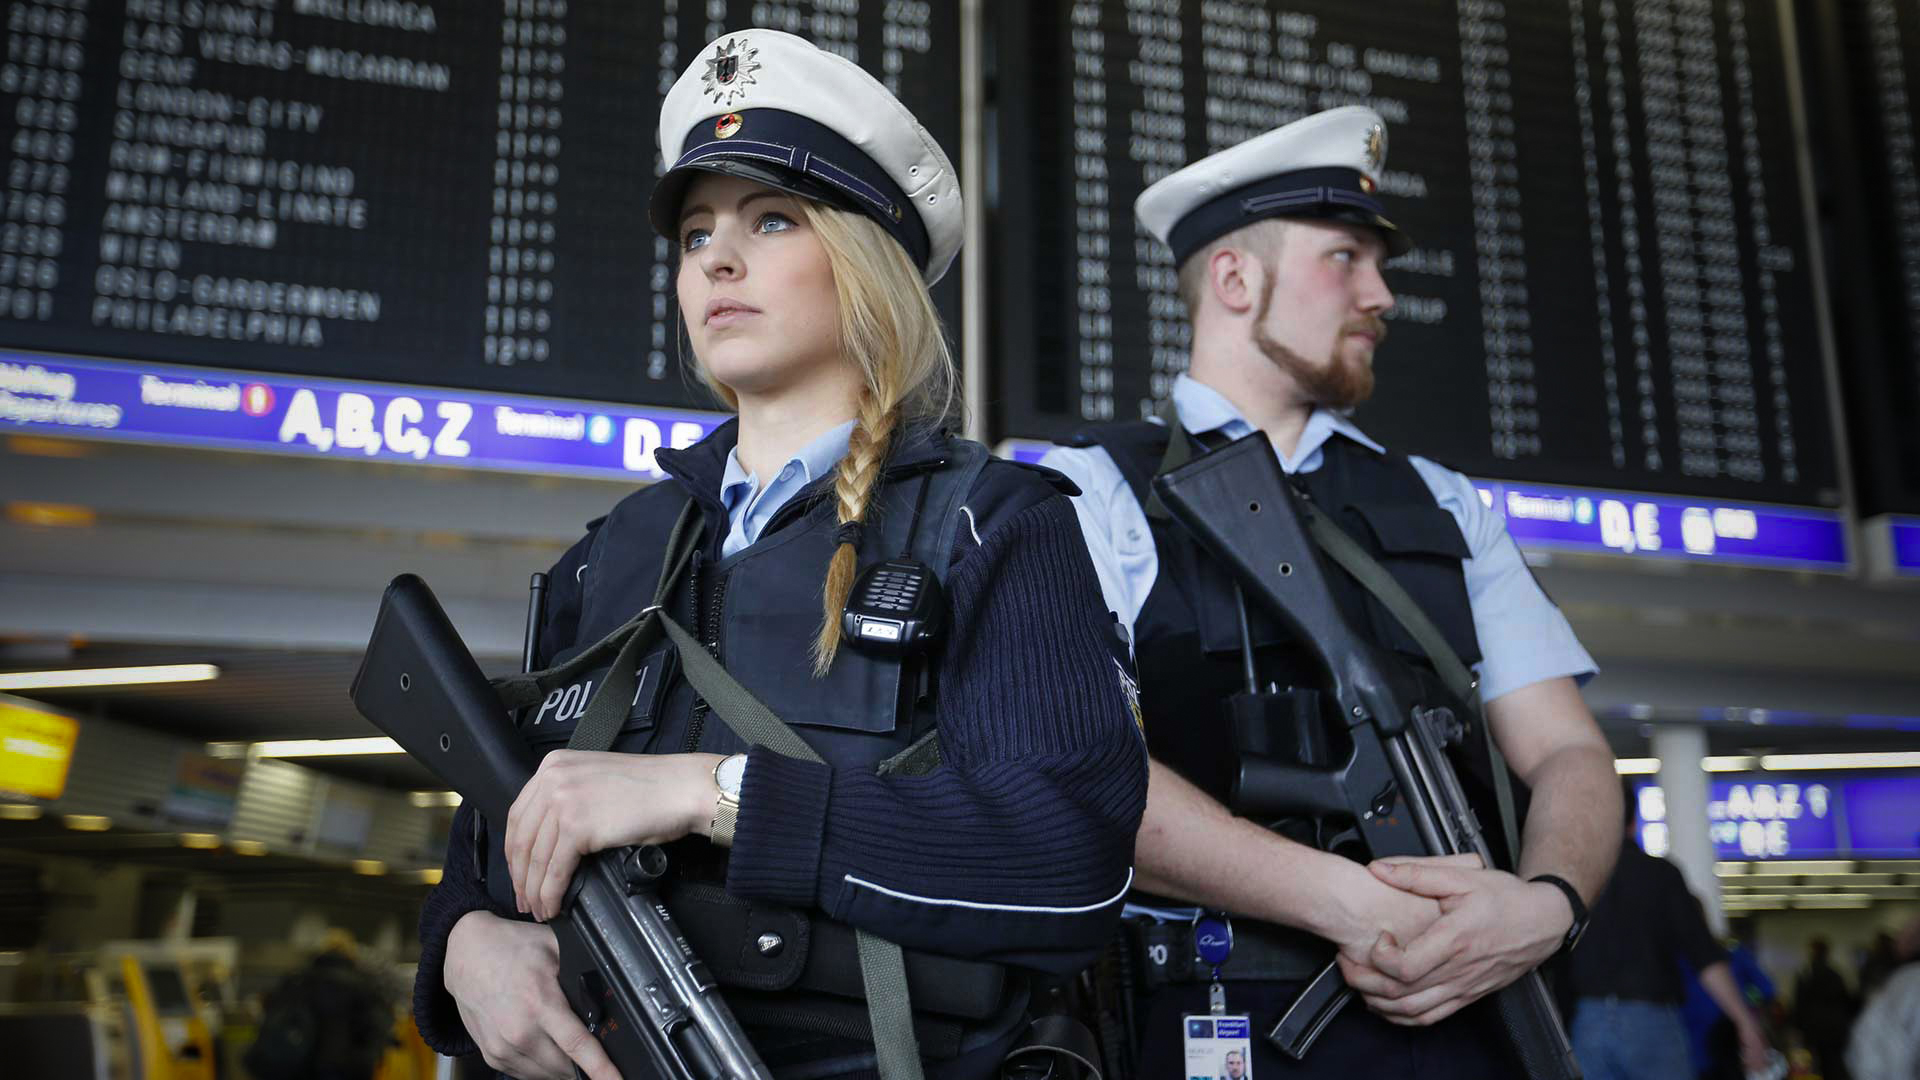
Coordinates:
(1217, 1044)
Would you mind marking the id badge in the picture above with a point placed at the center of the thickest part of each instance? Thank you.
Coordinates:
(1219, 1047)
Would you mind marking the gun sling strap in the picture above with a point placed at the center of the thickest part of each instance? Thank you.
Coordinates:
(882, 964)
(1347, 552)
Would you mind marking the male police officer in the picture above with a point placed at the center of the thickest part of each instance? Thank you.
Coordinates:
(1279, 243)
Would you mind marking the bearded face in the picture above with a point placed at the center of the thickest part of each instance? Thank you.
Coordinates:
(1329, 322)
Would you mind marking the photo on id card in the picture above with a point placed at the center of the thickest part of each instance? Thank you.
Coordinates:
(1219, 1048)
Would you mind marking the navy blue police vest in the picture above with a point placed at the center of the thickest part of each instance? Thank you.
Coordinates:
(1187, 639)
(758, 611)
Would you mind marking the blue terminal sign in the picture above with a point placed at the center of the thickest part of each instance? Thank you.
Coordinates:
(1768, 815)
(1665, 527)
(1583, 521)
(1904, 534)
(311, 416)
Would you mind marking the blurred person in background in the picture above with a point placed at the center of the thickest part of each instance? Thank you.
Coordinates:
(1715, 1039)
(1886, 1037)
(1628, 984)
(1883, 956)
(332, 1020)
(1823, 1011)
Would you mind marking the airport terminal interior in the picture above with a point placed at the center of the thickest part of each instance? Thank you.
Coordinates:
(300, 295)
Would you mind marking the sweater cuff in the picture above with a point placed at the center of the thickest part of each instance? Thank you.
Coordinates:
(776, 844)
(434, 1010)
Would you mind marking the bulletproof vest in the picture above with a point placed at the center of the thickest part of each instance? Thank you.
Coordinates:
(758, 611)
(1187, 638)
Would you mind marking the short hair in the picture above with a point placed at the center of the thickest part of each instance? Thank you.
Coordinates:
(1263, 238)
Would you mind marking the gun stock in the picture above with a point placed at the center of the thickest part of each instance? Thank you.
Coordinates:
(420, 685)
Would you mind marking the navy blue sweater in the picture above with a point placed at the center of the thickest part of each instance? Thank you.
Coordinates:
(1017, 848)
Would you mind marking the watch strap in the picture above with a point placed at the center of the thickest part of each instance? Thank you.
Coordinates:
(726, 815)
(726, 808)
(1579, 906)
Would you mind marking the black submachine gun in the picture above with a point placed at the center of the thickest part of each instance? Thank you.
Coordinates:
(625, 968)
(1396, 787)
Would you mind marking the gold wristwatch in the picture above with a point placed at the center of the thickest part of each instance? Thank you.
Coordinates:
(727, 776)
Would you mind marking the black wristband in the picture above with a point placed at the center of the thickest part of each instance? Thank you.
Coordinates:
(1579, 906)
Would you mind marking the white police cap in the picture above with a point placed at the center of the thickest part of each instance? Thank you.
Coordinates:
(1325, 166)
(776, 109)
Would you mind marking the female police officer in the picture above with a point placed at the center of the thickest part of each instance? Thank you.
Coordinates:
(811, 211)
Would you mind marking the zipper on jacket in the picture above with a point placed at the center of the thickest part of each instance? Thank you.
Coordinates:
(710, 620)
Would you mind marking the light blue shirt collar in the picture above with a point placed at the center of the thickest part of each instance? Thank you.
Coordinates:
(1203, 409)
(750, 504)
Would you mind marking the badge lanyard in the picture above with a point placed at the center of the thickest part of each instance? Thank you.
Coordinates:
(1212, 944)
(1217, 1044)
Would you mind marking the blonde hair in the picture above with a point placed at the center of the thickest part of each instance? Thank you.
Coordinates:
(891, 333)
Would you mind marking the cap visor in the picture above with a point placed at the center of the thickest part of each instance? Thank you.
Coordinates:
(663, 209)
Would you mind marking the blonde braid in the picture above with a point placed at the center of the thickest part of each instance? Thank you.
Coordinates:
(854, 481)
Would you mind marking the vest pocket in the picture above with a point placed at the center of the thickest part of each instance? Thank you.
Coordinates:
(1422, 547)
(1407, 529)
(771, 653)
(551, 723)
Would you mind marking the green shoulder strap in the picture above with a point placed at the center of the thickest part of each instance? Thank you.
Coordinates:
(1373, 577)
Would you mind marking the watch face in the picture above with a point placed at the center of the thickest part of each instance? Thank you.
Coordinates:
(730, 773)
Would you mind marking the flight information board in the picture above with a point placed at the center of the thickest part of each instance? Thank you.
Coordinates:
(1864, 68)
(1610, 284)
(403, 190)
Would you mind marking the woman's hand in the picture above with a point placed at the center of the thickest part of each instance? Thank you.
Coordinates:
(582, 801)
(505, 976)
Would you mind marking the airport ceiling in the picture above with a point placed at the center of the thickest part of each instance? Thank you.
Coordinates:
(265, 694)
(261, 694)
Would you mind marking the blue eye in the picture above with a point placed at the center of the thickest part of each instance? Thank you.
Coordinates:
(773, 223)
(695, 238)
(1344, 256)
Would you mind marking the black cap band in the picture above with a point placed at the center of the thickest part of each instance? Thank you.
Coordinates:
(788, 151)
(1329, 194)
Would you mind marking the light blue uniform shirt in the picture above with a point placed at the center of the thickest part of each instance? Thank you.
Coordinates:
(750, 506)
(1523, 636)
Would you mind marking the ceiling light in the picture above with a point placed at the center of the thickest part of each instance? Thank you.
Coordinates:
(34, 446)
(285, 748)
(1735, 763)
(54, 514)
(1636, 766)
(87, 822)
(200, 841)
(430, 876)
(116, 676)
(19, 811)
(427, 799)
(249, 847)
(1834, 900)
(1786, 868)
(1908, 760)
(369, 867)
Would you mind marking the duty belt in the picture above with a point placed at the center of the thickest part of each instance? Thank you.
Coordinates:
(1261, 952)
